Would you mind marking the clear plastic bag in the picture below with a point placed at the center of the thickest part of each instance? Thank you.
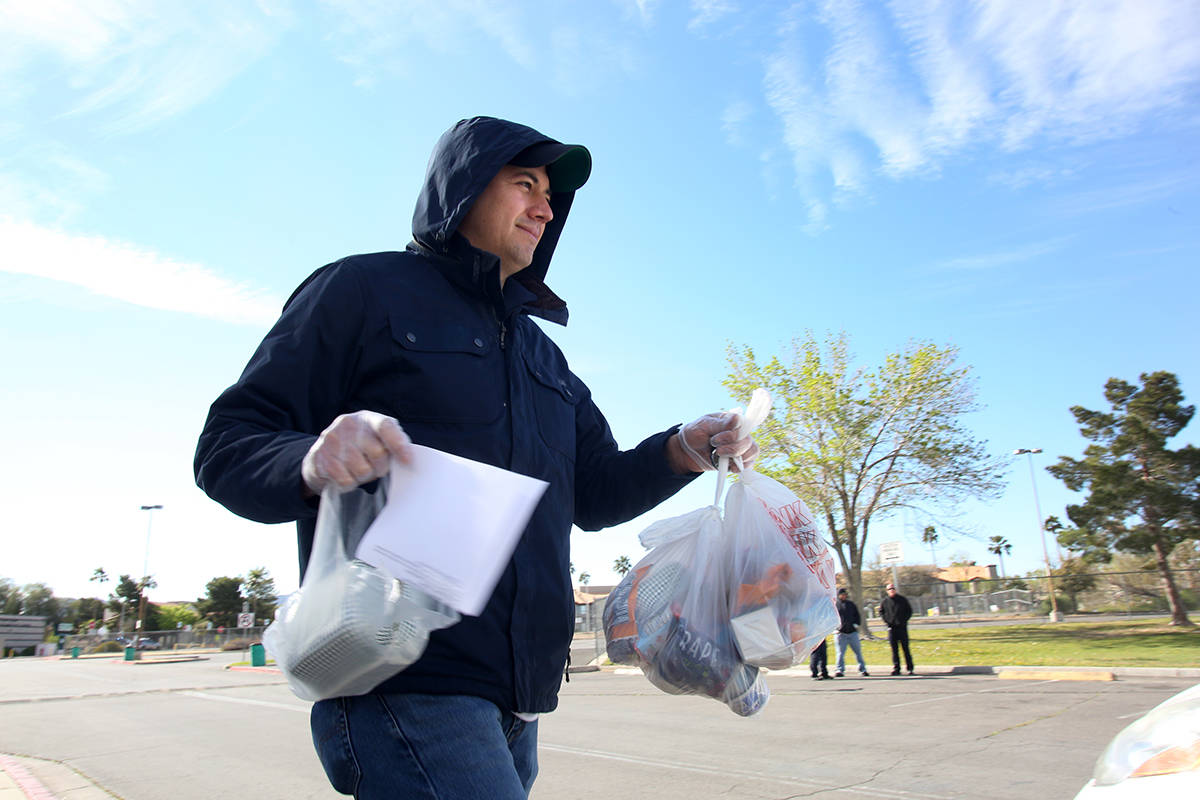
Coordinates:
(669, 616)
(349, 626)
(781, 588)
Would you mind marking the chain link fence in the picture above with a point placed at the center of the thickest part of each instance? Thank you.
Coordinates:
(1129, 593)
(157, 641)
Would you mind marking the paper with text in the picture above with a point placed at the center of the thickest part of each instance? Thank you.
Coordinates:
(450, 525)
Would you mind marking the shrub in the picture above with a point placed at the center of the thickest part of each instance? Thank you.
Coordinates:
(107, 647)
(236, 644)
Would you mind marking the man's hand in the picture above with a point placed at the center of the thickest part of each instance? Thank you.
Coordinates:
(699, 444)
(355, 449)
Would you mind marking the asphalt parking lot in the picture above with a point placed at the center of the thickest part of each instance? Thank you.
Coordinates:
(196, 730)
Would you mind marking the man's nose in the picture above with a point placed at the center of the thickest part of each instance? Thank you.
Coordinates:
(542, 211)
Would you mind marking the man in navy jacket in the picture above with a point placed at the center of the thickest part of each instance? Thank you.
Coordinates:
(435, 346)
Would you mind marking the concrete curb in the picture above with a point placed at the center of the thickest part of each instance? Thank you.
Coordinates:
(39, 779)
(1004, 672)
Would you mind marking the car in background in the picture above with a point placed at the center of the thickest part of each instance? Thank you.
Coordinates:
(1157, 756)
(146, 643)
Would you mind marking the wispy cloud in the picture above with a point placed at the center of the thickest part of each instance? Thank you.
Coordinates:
(1002, 258)
(47, 179)
(132, 274)
(862, 91)
(708, 12)
(376, 37)
(129, 65)
(733, 121)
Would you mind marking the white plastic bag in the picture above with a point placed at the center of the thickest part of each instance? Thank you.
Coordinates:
(781, 588)
(349, 626)
(669, 616)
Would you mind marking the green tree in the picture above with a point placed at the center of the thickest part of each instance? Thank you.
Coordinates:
(860, 445)
(223, 601)
(1142, 497)
(1000, 547)
(622, 565)
(172, 616)
(38, 600)
(585, 578)
(10, 597)
(1074, 577)
(260, 591)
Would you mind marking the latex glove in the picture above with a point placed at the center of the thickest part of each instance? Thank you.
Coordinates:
(703, 441)
(355, 449)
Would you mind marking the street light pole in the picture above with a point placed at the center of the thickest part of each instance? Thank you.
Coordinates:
(1037, 506)
(145, 574)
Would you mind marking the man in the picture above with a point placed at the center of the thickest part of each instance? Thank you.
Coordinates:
(435, 346)
(896, 611)
(847, 634)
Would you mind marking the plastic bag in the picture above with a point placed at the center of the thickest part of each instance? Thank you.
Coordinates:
(781, 590)
(669, 616)
(349, 626)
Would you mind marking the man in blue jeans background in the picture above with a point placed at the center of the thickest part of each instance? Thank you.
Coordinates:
(435, 346)
(847, 634)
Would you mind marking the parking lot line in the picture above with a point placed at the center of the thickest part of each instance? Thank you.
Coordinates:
(801, 783)
(966, 694)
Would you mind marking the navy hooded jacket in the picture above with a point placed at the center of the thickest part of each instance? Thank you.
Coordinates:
(429, 337)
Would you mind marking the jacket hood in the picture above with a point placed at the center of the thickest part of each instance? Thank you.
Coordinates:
(464, 161)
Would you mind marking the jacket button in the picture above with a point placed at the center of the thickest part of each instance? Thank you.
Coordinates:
(412, 337)
(479, 342)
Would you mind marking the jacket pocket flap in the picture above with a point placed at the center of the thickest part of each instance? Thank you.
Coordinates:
(560, 384)
(438, 337)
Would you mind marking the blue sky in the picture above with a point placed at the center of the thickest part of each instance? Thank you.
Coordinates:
(1017, 179)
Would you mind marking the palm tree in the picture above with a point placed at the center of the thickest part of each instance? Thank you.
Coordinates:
(930, 538)
(999, 546)
(622, 566)
(585, 578)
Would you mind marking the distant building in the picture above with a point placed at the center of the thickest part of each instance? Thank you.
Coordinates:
(18, 631)
(965, 579)
(589, 607)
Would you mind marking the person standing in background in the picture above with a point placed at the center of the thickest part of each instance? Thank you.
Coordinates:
(847, 634)
(896, 612)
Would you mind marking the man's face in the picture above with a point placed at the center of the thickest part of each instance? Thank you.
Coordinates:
(842, 595)
(509, 216)
(891, 590)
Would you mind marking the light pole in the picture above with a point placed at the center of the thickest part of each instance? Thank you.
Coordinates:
(1037, 506)
(141, 621)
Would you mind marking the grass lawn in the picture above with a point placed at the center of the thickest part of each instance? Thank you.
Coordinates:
(1133, 643)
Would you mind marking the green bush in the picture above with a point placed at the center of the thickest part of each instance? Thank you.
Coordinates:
(1065, 606)
(107, 647)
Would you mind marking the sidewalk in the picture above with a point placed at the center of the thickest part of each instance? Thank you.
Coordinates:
(35, 779)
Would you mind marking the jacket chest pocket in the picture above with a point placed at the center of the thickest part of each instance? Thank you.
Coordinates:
(442, 372)
(555, 395)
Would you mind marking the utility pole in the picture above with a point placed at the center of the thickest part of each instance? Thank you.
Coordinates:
(1037, 506)
(141, 621)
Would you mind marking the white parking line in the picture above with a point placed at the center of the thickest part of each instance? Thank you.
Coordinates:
(967, 694)
(247, 701)
(869, 791)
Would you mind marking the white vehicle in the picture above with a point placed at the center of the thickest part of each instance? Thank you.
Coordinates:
(1157, 756)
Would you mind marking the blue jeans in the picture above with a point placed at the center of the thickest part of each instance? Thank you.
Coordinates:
(850, 639)
(433, 747)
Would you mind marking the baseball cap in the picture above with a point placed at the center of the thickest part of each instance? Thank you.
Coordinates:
(567, 165)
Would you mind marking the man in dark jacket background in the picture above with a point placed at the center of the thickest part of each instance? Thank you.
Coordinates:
(896, 612)
(847, 634)
(435, 346)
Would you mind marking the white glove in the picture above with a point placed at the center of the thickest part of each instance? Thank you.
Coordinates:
(704, 441)
(355, 449)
